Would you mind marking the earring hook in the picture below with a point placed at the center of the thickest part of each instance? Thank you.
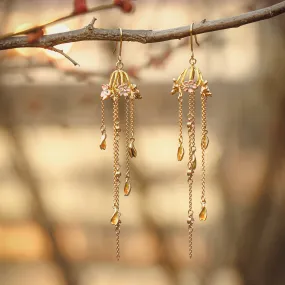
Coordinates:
(119, 63)
(121, 43)
(191, 40)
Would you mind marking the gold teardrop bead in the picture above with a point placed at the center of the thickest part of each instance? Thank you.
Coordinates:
(132, 150)
(103, 143)
(204, 142)
(127, 188)
(180, 153)
(203, 214)
(115, 217)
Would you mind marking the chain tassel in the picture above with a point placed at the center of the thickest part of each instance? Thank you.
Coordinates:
(180, 85)
(103, 143)
(128, 186)
(119, 86)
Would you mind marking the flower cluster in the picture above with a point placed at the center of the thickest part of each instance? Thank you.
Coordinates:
(125, 90)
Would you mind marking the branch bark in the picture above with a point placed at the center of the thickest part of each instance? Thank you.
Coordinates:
(145, 36)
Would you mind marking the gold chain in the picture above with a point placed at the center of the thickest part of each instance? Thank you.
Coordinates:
(180, 151)
(127, 139)
(116, 169)
(103, 126)
(103, 143)
(191, 165)
(204, 144)
(132, 117)
(180, 118)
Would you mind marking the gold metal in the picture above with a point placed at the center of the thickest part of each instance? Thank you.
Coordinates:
(120, 86)
(188, 81)
(132, 149)
(180, 152)
(115, 217)
(127, 188)
(203, 214)
(191, 40)
(116, 170)
(103, 143)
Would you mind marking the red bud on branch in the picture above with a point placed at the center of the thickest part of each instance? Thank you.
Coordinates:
(126, 5)
(35, 35)
(79, 7)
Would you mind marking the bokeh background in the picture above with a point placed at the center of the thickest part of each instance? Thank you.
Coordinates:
(56, 184)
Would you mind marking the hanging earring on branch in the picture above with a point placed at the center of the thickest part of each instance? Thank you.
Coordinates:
(188, 81)
(120, 86)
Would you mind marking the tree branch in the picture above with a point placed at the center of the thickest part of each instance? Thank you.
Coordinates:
(67, 17)
(62, 53)
(145, 36)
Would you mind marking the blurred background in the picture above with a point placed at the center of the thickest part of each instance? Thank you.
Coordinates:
(56, 184)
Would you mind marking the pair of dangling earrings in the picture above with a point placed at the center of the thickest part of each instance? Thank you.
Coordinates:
(120, 86)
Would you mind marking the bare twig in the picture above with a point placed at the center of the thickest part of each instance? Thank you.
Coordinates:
(62, 53)
(72, 15)
(146, 36)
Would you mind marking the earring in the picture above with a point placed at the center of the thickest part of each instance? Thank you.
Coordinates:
(119, 86)
(195, 80)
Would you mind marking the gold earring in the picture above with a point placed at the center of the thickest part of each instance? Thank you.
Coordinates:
(119, 86)
(195, 80)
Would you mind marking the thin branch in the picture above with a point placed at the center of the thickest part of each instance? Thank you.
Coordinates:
(146, 36)
(67, 17)
(62, 53)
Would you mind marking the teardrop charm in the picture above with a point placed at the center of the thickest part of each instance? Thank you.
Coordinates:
(132, 149)
(103, 143)
(127, 188)
(204, 142)
(180, 153)
(115, 217)
(203, 214)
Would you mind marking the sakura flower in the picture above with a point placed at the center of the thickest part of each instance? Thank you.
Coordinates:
(189, 86)
(106, 92)
(124, 90)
